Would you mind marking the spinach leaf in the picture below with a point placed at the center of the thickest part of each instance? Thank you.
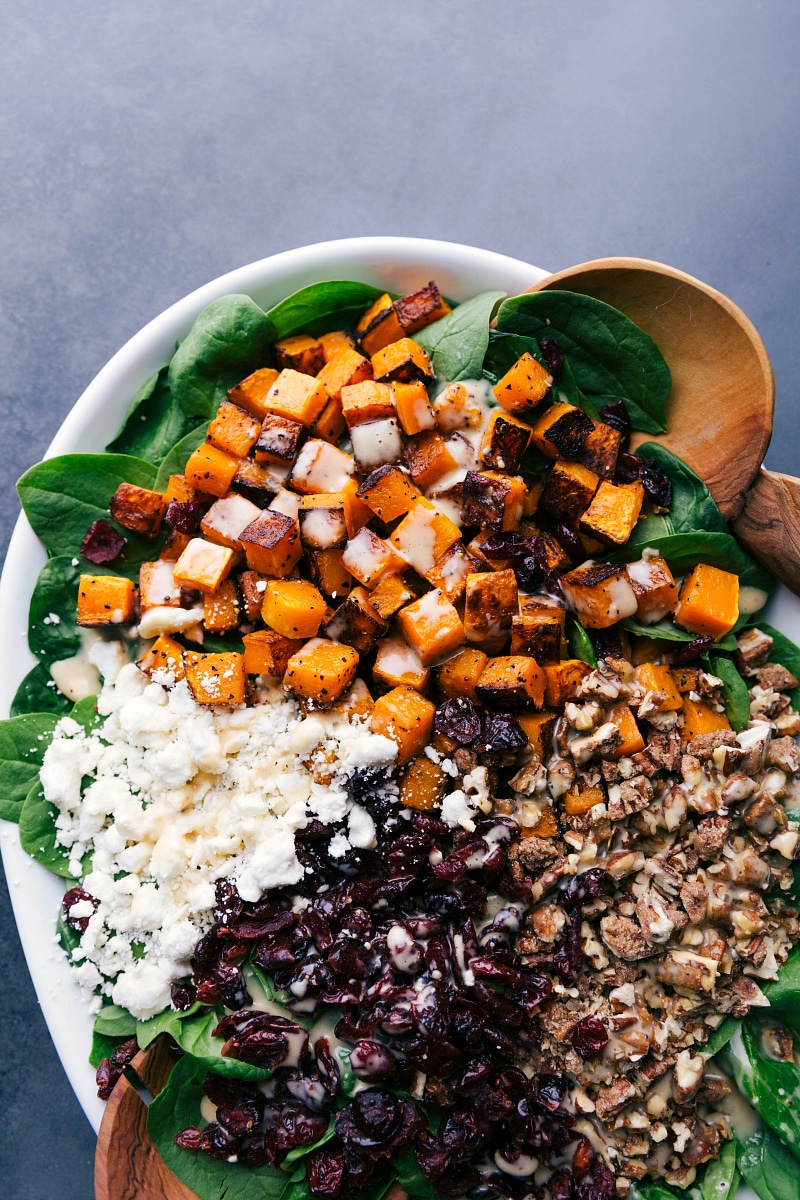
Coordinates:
(301, 1151)
(783, 993)
(174, 462)
(61, 497)
(685, 550)
(86, 714)
(192, 1032)
(736, 696)
(666, 630)
(765, 1082)
(505, 348)
(579, 642)
(322, 307)
(53, 632)
(766, 1163)
(655, 1191)
(23, 741)
(457, 343)
(113, 1021)
(37, 832)
(693, 508)
(411, 1179)
(229, 340)
(154, 422)
(785, 652)
(721, 1036)
(611, 358)
(38, 694)
(68, 938)
(177, 1107)
(720, 1178)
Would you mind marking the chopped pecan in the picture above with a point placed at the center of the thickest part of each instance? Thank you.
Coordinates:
(704, 744)
(776, 678)
(612, 1099)
(624, 938)
(694, 899)
(753, 648)
(710, 836)
(784, 753)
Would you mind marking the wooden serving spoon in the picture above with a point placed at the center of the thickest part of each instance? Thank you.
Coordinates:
(723, 395)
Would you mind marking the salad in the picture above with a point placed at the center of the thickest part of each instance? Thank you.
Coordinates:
(417, 759)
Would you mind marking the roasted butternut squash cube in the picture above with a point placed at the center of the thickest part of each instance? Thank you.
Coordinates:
(709, 601)
(539, 728)
(457, 407)
(300, 353)
(293, 607)
(182, 492)
(323, 521)
(288, 503)
(491, 500)
(227, 519)
(581, 797)
(267, 652)
(356, 623)
(272, 544)
(413, 407)
(450, 570)
(613, 512)
(513, 681)
(355, 704)
(632, 740)
(320, 467)
(699, 717)
(600, 594)
(233, 430)
(538, 635)
(654, 587)
(546, 826)
(562, 679)
(298, 397)
(211, 470)
(431, 626)
(360, 513)
(322, 671)
(367, 401)
(174, 545)
(252, 587)
(256, 481)
(601, 449)
(504, 442)
(379, 325)
(157, 586)
(654, 678)
(328, 572)
(330, 424)
(533, 494)
(405, 717)
(427, 458)
(398, 664)
(368, 558)
(221, 608)
(390, 595)
(105, 600)
(251, 393)
(389, 493)
(551, 418)
(491, 603)
(422, 784)
(164, 658)
(279, 440)
(376, 443)
(333, 342)
(423, 536)
(138, 509)
(531, 606)
(346, 368)
(403, 361)
(458, 675)
(203, 565)
(421, 308)
(215, 678)
(568, 490)
(685, 679)
(524, 386)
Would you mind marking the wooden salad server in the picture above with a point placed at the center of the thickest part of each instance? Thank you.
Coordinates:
(722, 400)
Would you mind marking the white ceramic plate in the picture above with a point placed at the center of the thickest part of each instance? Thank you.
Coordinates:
(396, 264)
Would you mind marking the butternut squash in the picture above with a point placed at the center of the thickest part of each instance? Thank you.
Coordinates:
(138, 509)
(300, 353)
(413, 407)
(600, 594)
(215, 678)
(654, 587)
(397, 664)
(428, 459)
(321, 671)
(561, 680)
(423, 536)
(390, 595)
(699, 717)
(422, 784)
(293, 607)
(524, 386)
(405, 717)
(568, 490)
(267, 652)
(355, 622)
(538, 728)
(328, 572)
(403, 361)
(491, 602)
(492, 500)
(389, 493)
(431, 626)
(105, 600)
(505, 441)
(421, 308)
(367, 401)
(233, 430)
(632, 740)
(537, 634)
(379, 326)
(279, 440)
(330, 424)
(211, 470)
(613, 512)
(251, 393)
(512, 681)
(164, 657)
(221, 608)
(578, 801)
(272, 544)
(203, 565)
(345, 368)
(654, 678)
(709, 602)
(333, 342)
(458, 675)
(369, 558)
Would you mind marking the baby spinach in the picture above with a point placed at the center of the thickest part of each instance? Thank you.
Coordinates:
(37, 832)
(611, 358)
(666, 630)
(693, 508)
(113, 1021)
(736, 696)
(721, 1036)
(411, 1179)
(23, 741)
(720, 1179)
(177, 1107)
(229, 340)
(174, 462)
(61, 497)
(579, 642)
(685, 550)
(322, 307)
(154, 422)
(654, 1191)
(53, 633)
(783, 993)
(785, 652)
(192, 1031)
(766, 1163)
(38, 694)
(457, 343)
(765, 1082)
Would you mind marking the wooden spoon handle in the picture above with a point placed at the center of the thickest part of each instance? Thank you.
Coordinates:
(769, 525)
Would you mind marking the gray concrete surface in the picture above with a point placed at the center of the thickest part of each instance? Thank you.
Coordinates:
(147, 147)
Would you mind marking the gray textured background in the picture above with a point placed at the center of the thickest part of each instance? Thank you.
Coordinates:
(148, 147)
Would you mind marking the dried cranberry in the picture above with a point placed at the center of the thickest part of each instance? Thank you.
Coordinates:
(110, 1069)
(616, 415)
(589, 1037)
(657, 485)
(500, 547)
(74, 896)
(607, 642)
(102, 543)
(431, 1155)
(373, 1062)
(185, 517)
(221, 983)
(552, 355)
(326, 1170)
(438, 1058)
(629, 468)
(568, 958)
(561, 1184)
(586, 886)
(463, 1133)
(531, 572)
(183, 995)
(691, 651)
(459, 720)
(599, 1185)
(499, 732)
(582, 1157)
(550, 1091)
(569, 541)
(228, 904)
